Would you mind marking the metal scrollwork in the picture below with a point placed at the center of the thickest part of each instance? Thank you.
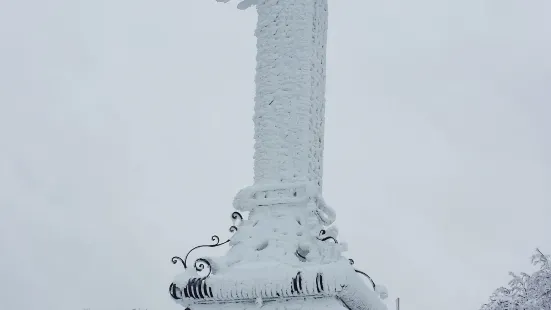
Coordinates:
(351, 261)
(200, 263)
(237, 218)
(175, 291)
(297, 253)
(322, 238)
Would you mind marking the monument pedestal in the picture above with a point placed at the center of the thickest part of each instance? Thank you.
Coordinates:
(286, 254)
(276, 286)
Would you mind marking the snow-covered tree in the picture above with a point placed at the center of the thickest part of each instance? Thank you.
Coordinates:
(525, 292)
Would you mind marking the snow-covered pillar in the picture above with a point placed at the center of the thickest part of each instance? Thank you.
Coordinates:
(289, 105)
(290, 91)
(288, 216)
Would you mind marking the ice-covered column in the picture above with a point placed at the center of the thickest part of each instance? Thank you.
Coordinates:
(288, 217)
(289, 105)
(290, 91)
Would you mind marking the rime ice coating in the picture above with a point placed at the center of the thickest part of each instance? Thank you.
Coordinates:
(290, 91)
(286, 233)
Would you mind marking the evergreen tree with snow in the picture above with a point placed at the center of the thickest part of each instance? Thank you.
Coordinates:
(525, 292)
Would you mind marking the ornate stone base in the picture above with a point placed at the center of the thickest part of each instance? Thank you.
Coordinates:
(279, 286)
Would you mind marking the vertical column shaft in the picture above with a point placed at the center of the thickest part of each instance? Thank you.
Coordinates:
(290, 91)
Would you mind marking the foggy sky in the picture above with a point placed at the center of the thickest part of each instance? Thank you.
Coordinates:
(125, 132)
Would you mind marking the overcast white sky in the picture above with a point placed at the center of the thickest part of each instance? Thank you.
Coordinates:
(125, 131)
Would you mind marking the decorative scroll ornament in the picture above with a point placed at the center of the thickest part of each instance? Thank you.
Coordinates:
(322, 236)
(174, 291)
(351, 261)
(201, 263)
(237, 218)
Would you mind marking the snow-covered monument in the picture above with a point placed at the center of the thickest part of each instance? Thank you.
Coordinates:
(285, 254)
